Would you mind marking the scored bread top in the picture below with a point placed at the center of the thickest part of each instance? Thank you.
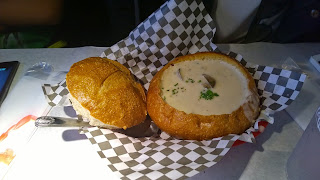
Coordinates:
(108, 91)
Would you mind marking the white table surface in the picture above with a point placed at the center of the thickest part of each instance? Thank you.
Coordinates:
(49, 155)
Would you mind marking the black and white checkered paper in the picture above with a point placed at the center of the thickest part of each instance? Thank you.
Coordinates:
(162, 156)
(177, 28)
(55, 94)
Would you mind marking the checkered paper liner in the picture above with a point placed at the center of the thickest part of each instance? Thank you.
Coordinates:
(55, 94)
(162, 156)
(177, 28)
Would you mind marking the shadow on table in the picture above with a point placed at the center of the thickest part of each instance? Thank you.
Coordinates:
(233, 164)
(224, 48)
(72, 135)
(68, 110)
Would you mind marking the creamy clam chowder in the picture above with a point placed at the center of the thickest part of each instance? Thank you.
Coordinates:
(185, 87)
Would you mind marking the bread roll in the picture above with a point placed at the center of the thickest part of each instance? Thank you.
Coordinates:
(203, 96)
(105, 92)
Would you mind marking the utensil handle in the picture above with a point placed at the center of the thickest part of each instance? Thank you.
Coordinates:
(50, 121)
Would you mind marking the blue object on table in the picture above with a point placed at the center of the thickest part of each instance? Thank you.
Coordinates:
(7, 72)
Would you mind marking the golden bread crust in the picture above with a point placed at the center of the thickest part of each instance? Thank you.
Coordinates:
(199, 127)
(108, 91)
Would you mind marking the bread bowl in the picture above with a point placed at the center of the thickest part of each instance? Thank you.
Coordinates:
(181, 101)
(105, 92)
